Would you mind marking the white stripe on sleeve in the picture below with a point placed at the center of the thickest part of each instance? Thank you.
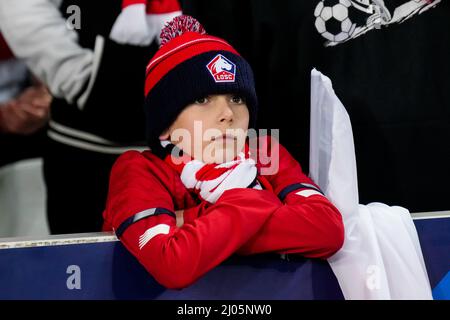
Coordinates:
(151, 232)
(308, 192)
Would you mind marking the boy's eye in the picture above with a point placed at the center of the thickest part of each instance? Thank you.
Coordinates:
(203, 100)
(237, 99)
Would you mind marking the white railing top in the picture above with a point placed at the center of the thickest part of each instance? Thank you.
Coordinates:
(57, 240)
(82, 238)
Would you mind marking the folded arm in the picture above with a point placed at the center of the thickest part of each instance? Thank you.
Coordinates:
(307, 224)
(177, 256)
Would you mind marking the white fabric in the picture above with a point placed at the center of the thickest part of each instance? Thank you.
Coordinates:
(381, 257)
(131, 26)
(134, 26)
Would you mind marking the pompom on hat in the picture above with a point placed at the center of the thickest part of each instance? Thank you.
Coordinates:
(189, 65)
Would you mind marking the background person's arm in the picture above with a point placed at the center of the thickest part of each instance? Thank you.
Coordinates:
(37, 33)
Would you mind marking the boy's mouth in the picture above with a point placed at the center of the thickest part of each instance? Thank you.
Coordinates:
(224, 137)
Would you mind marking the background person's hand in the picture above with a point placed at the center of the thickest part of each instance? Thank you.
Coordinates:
(27, 113)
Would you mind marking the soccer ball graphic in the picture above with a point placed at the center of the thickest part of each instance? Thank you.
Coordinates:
(332, 20)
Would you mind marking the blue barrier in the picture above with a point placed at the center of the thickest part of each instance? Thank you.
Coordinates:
(101, 268)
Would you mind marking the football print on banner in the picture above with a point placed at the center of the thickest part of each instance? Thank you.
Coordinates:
(341, 20)
(222, 69)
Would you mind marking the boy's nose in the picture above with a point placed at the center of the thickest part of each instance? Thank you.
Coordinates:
(226, 113)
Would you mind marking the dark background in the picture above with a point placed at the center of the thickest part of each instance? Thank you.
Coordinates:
(394, 83)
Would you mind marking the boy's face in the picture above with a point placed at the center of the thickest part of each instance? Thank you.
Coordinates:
(213, 129)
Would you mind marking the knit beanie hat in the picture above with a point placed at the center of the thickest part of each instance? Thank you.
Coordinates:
(190, 65)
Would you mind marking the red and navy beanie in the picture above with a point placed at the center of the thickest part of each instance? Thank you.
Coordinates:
(190, 65)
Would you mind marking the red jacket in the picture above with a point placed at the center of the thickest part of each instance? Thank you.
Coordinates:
(288, 217)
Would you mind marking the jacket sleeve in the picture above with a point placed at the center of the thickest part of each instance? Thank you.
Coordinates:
(37, 33)
(141, 211)
(307, 224)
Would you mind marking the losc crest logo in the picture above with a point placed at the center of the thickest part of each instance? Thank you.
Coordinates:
(222, 69)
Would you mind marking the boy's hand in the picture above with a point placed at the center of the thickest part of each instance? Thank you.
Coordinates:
(180, 217)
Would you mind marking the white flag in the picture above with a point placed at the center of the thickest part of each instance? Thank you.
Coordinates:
(381, 257)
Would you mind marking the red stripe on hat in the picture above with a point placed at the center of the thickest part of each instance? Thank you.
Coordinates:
(155, 6)
(179, 50)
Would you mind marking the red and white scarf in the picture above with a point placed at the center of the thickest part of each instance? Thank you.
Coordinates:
(210, 181)
(141, 21)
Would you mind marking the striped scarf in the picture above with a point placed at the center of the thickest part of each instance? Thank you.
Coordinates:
(210, 181)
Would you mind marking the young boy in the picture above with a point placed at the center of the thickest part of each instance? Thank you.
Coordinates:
(198, 197)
